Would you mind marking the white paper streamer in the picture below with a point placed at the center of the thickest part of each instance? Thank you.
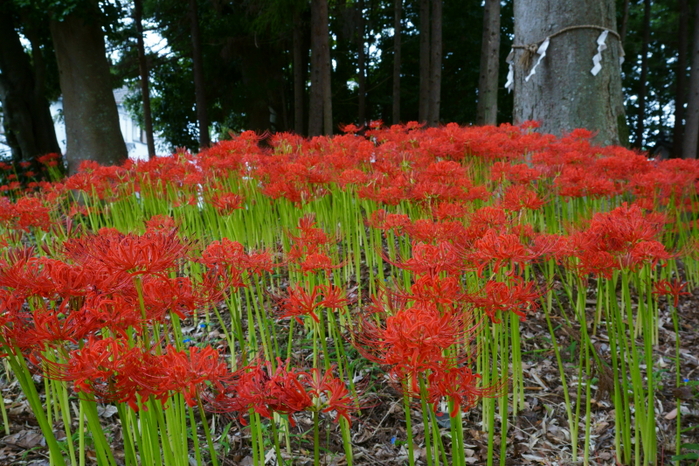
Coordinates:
(597, 59)
(621, 54)
(541, 51)
(510, 60)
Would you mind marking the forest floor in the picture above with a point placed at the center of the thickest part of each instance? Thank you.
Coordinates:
(538, 435)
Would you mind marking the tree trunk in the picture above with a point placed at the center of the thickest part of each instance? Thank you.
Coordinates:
(681, 84)
(640, 122)
(91, 118)
(27, 116)
(435, 63)
(299, 77)
(143, 70)
(487, 111)
(424, 100)
(397, 13)
(315, 106)
(624, 22)
(198, 69)
(326, 68)
(361, 65)
(691, 127)
(563, 94)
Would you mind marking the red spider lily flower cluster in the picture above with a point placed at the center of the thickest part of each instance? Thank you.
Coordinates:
(671, 288)
(300, 302)
(309, 249)
(283, 390)
(624, 238)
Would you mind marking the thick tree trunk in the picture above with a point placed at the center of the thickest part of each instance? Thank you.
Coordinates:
(640, 122)
(91, 118)
(397, 13)
(563, 94)
(143, 70)
(198, 69)
(299, 77)
(487, 110)
(361, 65)
(435, 63)
(27, 117)
(681, 83)
(424, 98)
(691, 128)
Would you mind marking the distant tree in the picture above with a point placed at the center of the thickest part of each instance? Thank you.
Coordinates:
(681, 81)
(487, 111)
(397, 14)
(198, 70)
(144, 78)
(320, 107)
(27, 118)
(691, 128)
(644, 75)
(91, 118)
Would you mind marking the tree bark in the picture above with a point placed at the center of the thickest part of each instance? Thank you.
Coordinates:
(640, 122)
(397, 13)
(91, 118)
(691, 128)
(26, 110)
(361, 65)
(435, 63)
(299, 76)
(198, 70)
(143, 70)
(563, 94)
(424, 98)
(487, 110)
(681, 83)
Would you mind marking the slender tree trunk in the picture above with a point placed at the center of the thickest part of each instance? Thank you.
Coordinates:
(198, 69)
(487, 111)
(299, 78)
(640, 123)
(143, 70)
(361, 65)
(563, 94)
(326, 68)
(624, 22)
(91, 118)
(27, 116)
(435, 63)
(397, 13)
(424, 98)
(315, 107)
(691, 128)
(681, 84)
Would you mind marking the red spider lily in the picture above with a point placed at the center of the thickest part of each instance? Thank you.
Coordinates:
(113, 372)
(189, 372)
(301, 303)
(226, 203)
(499, 250)
(332, 392)
(163, 295)
(161, 222)
(671, 288)
(232, 255)
(518, 197)
(518, 297)
(316, 262)
(257, 387)
(120, 254)
(432, 260)
(436, 291)
(333, 297)
(412, 341)
(459, 384)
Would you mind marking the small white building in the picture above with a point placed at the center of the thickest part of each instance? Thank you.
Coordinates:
(134, 136)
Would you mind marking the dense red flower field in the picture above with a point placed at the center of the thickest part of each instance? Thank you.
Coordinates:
(275, 292)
